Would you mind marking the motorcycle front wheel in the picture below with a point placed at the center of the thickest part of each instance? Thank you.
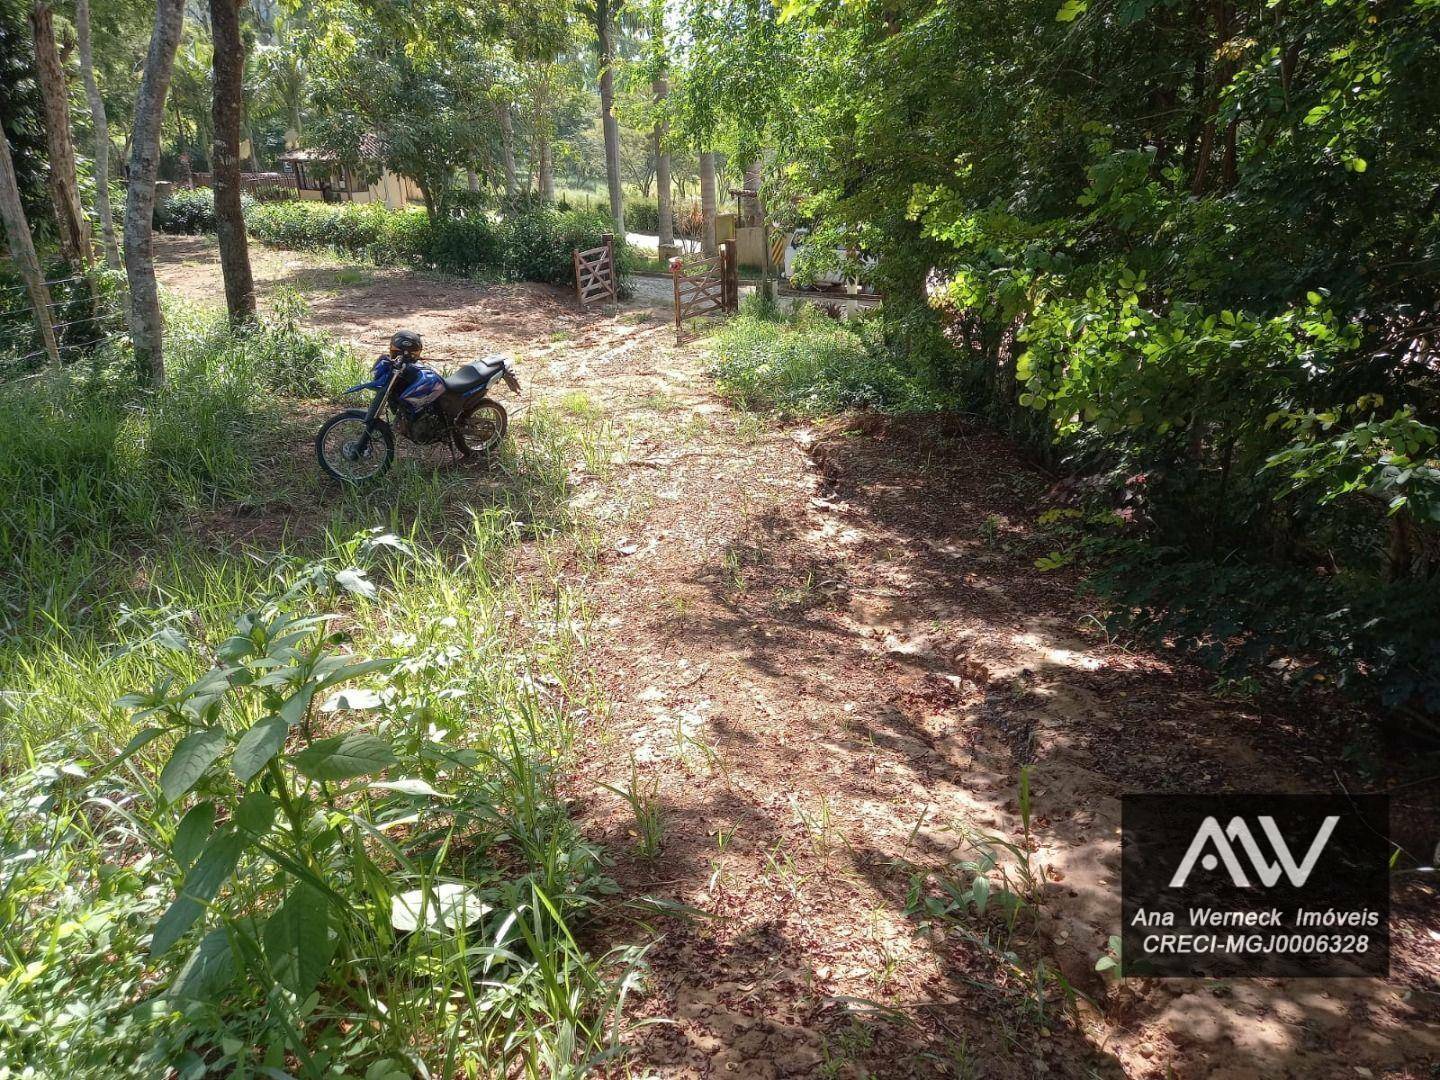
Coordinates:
(481, 429)
(350, 453)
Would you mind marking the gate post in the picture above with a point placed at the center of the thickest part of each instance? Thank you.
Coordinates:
(730, 274)
(609, 241)
(675, 265)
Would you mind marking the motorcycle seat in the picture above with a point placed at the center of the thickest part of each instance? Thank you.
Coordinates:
(474, 376)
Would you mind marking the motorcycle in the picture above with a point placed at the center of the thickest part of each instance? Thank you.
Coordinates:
(358, 445)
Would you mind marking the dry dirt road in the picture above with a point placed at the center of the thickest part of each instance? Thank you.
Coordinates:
(829, 652)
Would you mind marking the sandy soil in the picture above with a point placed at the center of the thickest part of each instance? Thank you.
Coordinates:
(828, 652)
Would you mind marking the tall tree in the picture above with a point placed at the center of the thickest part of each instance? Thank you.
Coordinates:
(666, 216)
(102, 135)
(70, 219)
(603, 14)
(707, 200)
(22, 250)
(229, 104)
(146, 330)
(500, 105)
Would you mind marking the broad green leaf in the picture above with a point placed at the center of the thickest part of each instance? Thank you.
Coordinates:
(209, 687)
(356, 700)
(138, 742)
(448, 906)
(980, 892)
(204, 880)
(336, 669)
(298, 943)
(257, 746)
(209, 969)
(408, 787)
(343, 757)
(189, 760)
(293, 709)
(235, 648)
(169, 637)
(256, 813)
(354, 581)
(193, 831)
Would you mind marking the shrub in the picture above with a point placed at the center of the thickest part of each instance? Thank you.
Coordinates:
(526, 245)
(810, 364)
(1243, 617)
(642, 217)
(186, 211)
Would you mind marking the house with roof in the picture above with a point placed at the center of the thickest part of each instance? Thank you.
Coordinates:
(319, 174)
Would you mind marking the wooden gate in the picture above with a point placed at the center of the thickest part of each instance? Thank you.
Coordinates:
(705, 285)
(595, 277)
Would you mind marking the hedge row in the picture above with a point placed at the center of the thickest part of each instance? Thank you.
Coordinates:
(526, 245)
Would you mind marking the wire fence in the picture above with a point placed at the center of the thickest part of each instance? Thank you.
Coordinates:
(84, 311)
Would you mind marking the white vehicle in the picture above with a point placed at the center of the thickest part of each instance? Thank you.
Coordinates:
(793, 247)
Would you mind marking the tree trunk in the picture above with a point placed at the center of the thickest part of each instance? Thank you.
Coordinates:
(228, 104)
(70, 219)
(662, 170)
(546, 171)
(22, 251)
(145, 326)
(750, 215)
(544, 162)
(507, 145)
(102, 135)
(605, 32)
(707, 200)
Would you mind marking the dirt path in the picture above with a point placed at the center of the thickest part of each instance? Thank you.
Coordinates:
(827, 652)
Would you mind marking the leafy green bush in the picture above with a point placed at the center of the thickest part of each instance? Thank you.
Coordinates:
(85, 310)
(186, 211)
(1239, 617)
(526, 245)
(811, 364)
(642, 216)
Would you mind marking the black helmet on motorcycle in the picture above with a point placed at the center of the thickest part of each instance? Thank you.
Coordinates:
(405, 343)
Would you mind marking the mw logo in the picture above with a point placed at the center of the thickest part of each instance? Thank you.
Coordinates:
(1223, 841)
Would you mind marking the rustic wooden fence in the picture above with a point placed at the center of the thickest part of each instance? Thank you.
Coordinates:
(705, 285)
(595, 274)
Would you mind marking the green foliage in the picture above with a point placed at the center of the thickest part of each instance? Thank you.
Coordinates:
(89, 462)
(1394, 459)
(1156, 241)
(811, 365)
(528, 245)
(21, 112)
(86, 309)
(298, 859)
(188, 211)
(1241, 616)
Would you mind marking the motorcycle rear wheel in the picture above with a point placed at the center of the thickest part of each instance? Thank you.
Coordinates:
(347, 454)
(482, 429)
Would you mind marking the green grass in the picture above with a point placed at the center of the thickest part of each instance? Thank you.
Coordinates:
(812, 365)
(136, 528)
